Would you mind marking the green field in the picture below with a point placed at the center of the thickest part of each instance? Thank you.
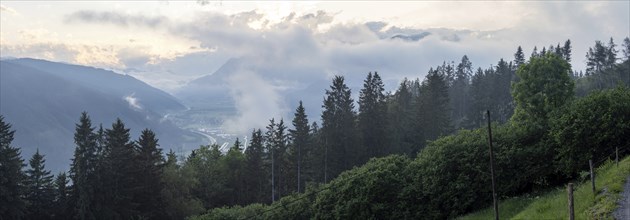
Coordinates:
(609, 183)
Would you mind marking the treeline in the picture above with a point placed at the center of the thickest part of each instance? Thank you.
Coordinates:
(113, 177)
(547, 141)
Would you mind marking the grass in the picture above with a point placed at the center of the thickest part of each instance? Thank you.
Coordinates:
(609, 181)
(507, 209)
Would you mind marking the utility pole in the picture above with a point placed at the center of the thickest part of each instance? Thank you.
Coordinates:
(494, 194)
(326, 160)
(570, 193)
(273, 179)
(298, 163)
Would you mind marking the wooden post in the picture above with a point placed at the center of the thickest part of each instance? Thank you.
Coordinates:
(617, 156)
(590, 163)
(494, 194)
(570, 192)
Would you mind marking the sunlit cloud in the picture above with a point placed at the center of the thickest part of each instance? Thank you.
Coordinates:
(9, 10)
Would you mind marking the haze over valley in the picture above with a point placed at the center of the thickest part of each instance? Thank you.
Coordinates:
(312, 110)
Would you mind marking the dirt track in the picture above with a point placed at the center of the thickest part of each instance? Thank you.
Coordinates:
(623, 211)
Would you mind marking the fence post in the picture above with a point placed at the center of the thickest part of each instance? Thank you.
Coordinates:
(570, 192)
(494, 193)
(590, 163)
(617, 156)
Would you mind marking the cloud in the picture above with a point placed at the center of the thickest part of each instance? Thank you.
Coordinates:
(133, 102)
(278, 60)
(256, 101)
(91, 55)
(116, 18)
(133, 57)
(8, 10)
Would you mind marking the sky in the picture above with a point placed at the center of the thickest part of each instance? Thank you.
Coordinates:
(170, 43)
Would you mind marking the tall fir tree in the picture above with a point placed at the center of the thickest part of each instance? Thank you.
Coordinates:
(234, 164)
(372, 118)
(83, 170)
(254, 173)
(597, 58)
(179, 182)
(151, 162)
(519, 57)
(119, 177)
(626, 49)
(12, 205)
(300, 142)
(277, 139)
(339, 129)
(315, 160)
(458, 91)
(566, 50)
(611, 53)
(400, 119)
(534, 53)
(432, 105)
(271, 149)
(62, 208)
(39, 188)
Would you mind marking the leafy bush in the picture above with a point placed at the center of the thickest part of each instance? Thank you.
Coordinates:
(371, 191)
(591, 128)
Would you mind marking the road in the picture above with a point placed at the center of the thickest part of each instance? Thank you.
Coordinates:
(623, 212)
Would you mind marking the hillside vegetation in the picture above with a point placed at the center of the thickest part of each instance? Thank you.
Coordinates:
(609, 180)
(451, 177)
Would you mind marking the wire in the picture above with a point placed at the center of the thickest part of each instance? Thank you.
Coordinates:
(604, 159)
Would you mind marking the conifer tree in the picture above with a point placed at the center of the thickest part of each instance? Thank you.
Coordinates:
(254, 172)
(119, 176)
(597, 58)
(270, 144)
(12, 206)
(433, 111)
(339, 129)
(150, 176)
(371, 118)
(611, 54)
(39, 188)
(315, 161)
(400, 119)
(277, 138)
(62, 209)
(459, 92)
(300, 138)
(534, 53)
(83, 170)
(519, 57)
(234, 163)
(566, 50)
(179, 199)
(626, 49)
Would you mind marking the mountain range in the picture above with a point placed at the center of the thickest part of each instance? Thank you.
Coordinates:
(43, 100)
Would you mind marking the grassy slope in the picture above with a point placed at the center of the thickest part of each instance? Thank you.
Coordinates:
(553, 205)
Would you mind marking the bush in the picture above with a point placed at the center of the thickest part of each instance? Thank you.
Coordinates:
(371, 191)
(591, 128)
